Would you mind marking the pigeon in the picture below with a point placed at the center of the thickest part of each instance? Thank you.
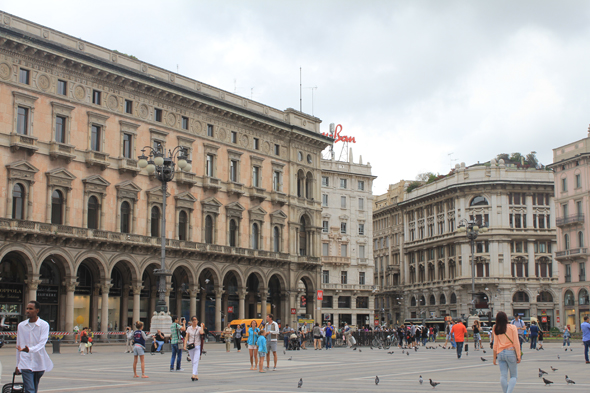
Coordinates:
(553, 369)
(284, 352)
(407, 353)
(565, 350)
(421, 380)
(558, 357)
(403, 351)
(291, 358)
(376, 380)
(484, 351)
(547, 382)
(483, 359)
(543, 372)
(433, 384)
(207, 281)
(571, 349)
(300, 383)
(354, 349)
(540, 374)
(415, 349)
(569, 381)
(204, 352)
(360, 350)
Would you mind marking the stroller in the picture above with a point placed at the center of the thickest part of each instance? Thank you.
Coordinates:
(294, 342)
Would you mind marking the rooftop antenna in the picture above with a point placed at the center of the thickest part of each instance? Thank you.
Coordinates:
(300, 88)
(251, 93)
(451, 159)
(312, 89)
(177, 68)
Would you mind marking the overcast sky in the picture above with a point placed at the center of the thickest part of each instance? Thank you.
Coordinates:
(413, 81)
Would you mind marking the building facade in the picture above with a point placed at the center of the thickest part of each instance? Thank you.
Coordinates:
(347, 257)
(571, 165)
(79, 228)
(514, 269)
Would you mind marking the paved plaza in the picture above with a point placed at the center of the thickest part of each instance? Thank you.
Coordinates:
(338, 370)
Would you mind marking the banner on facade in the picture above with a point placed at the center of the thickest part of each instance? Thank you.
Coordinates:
(11, 293)
(293, 311)
(230, 310)
(320, 294)
(544, 319)
(48, 294)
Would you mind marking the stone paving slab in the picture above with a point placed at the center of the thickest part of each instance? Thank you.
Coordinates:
(337, 370)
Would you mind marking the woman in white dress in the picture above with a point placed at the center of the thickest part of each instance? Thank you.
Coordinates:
(193, 342)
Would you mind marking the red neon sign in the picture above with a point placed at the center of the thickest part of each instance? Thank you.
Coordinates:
(337, 137)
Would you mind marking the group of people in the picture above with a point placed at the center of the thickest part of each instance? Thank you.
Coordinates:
(262, 340)
(322, 336)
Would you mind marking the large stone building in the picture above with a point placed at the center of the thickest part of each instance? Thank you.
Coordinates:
(347, 257)
(571, 164)
(430, 261)
(80, 225)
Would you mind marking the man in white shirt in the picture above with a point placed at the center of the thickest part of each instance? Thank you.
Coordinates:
(519, 323)
(272, 330)
(31, 358)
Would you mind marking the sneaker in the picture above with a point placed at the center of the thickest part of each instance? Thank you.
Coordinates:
(180, 369)
(274, 369)
(171, 369)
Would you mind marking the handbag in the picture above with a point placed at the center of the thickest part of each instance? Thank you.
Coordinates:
(13, 387)
(513, 345)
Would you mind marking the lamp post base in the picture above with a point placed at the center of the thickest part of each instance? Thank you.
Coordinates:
(161, 321)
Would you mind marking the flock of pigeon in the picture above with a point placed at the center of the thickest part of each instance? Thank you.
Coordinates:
(568, 380)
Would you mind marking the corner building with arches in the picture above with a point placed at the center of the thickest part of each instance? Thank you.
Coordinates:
(430, 273)
(80, 222)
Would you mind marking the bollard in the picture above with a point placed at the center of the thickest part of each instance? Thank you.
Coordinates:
(56, 346)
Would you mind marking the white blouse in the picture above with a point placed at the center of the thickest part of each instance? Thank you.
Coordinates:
(194, 335)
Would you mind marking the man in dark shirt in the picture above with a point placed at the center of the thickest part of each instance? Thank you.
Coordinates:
(534, 334)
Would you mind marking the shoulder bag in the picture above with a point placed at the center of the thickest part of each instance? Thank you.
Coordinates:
(192, 345)
(516, 349)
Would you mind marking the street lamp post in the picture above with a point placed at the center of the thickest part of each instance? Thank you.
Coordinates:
(472, 230)
(161, 164)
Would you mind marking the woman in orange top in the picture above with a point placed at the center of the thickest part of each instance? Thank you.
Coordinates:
(505, 351)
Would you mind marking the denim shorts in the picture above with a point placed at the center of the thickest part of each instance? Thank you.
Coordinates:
(138, 350)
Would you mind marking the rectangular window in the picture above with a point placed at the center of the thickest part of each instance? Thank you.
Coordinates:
(95, 138)
(343, 183)
(325, 181)
(234, 137)
(23, 76)
(579, 207)
(60, 129)
(158, 115)
(325, 278)
(344, 301)
(343, 202)
(362, 252)
(233, 171)
(96, 97)
(210, 130)
(342, 227)
(565, 210)
(362, 229)
(325, 226)
(361, 278)
(568, 273)
(62, 87)
(127, 140)
(256, 176)
(209, 165)
(361, 185)
(325, 249)
(22, 121)
(343, 279)
(564, 184)
(277, 150)
(128, 106)
(582, 271)
(324, 199)
(256, 144)
(184, 123)
(578, 181)
(276, 181)
(361, 204)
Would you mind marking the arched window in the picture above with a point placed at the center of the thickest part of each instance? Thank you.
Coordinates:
(583, 299)
(182, 225)
(452, 270)
(479, 201)
(520, 297)
(125, 217)
(441, 271)
(413, 302)
(453, 298)
(580, 239)
(443, 299)
(520, 267)
(93, 212)
(568, 298)
(543, 267)
(544, 297)
(233, 233)
(431, 272)
(300, 184)
(309, 186)
(421, 273)
(432, 300)
(412, 275)
(57, 202)
(155, 223)
(255, 236)
(422, 301)
(208, 230)
(276, 237)
(18, 204)
(566, 241)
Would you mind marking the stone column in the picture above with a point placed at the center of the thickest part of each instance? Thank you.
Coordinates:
(68, 201)
(136, 303)
(94, 308)
(203, 306)
(293, 304)
(124, 318)
(285, 309)
(218, 299)
(32, 286)
(178, 303)
(242, 303)
(529, 210)
(104, 311)
(224, 313)
(193, 302)
(531, 257)
(70, 288)
(353, 311)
